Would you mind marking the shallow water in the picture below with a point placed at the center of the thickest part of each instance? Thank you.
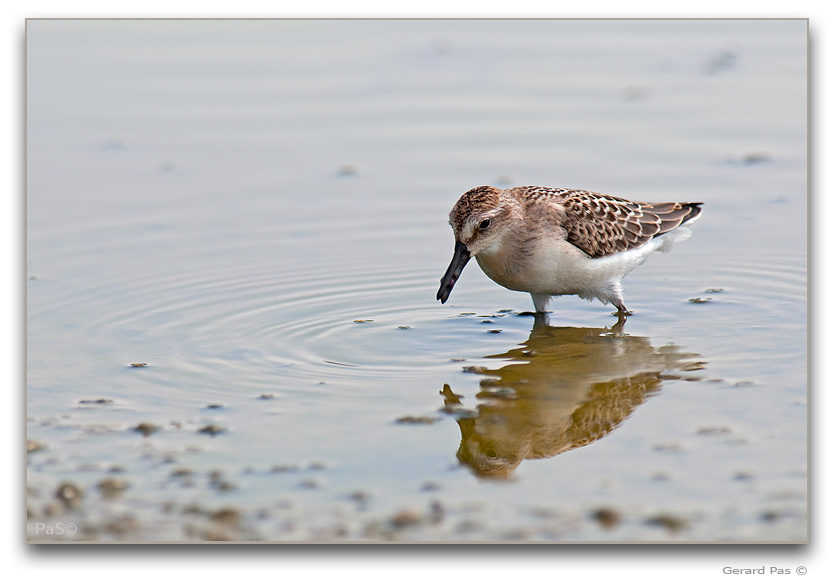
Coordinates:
(257, 211)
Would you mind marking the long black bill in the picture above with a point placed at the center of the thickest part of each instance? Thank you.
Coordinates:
(449, 279)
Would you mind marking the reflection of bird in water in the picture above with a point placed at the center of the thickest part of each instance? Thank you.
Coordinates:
(562, 389)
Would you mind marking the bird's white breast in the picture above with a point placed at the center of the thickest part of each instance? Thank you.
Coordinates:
(552, 266)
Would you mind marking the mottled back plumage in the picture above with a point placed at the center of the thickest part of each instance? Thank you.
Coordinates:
(602, 225)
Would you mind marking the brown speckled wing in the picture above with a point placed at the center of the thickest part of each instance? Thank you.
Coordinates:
(602, 225)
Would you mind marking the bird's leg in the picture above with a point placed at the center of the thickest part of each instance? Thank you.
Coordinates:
(540, 302)
(618, 301)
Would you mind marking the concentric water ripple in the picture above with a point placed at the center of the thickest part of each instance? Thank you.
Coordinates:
(317, 318)
(312, 316)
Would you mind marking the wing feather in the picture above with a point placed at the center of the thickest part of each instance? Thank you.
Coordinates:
(602, 225)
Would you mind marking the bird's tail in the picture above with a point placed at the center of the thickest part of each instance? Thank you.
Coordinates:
(670, 239)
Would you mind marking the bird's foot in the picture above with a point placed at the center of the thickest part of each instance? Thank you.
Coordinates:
(622, 311)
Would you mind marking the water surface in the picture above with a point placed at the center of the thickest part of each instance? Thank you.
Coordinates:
(256, 210)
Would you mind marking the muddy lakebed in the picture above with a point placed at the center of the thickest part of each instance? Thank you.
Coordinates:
(235, 233)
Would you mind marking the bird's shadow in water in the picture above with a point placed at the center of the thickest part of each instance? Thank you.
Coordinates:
(563, 388)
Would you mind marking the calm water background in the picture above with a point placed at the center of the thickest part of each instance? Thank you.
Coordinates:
(257, 210)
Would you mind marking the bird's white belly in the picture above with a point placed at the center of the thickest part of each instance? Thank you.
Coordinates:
(556, 267)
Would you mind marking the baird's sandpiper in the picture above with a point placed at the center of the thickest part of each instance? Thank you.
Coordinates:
(558, 241)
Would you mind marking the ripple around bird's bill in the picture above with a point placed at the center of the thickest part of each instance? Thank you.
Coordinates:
(319, 320)
(315, 317)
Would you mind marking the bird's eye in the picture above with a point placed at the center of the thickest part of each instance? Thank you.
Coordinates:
(484, 224)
